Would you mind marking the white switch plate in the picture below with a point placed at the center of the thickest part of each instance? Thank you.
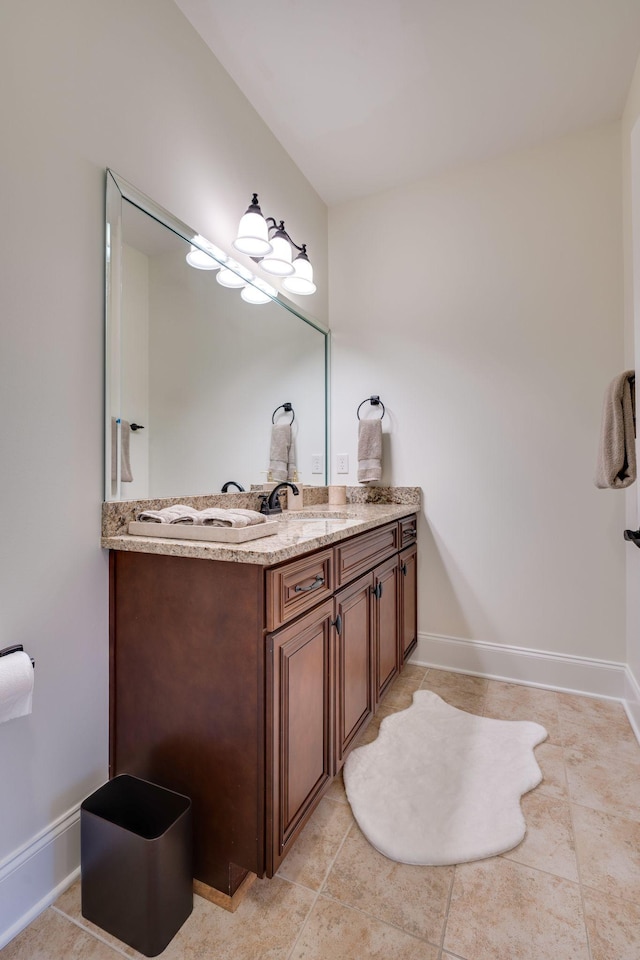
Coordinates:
(317, 463)
(342, 463)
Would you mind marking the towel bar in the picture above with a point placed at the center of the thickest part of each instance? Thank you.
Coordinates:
(16, 648)
(287, 408)
(375, 402)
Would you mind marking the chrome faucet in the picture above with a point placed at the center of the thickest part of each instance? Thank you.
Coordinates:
(271, 502)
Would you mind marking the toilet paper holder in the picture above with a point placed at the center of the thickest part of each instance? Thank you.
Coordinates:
(16, 648)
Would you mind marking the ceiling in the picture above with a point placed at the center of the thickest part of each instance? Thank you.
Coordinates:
(368, 94)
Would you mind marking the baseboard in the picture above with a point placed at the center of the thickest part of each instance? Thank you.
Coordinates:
(632, 701)
(37, 873)
(538, 668)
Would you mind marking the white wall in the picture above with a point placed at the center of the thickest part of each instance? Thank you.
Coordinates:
(86, 85)
(631, 205)
(485, 307)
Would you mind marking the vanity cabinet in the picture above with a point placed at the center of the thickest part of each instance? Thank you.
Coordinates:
(245, 687)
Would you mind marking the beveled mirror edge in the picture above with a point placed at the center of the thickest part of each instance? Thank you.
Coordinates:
(118, 189)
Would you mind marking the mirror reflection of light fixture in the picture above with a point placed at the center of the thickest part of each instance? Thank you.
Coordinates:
(209, 258)
(267, 242)
(258, 292)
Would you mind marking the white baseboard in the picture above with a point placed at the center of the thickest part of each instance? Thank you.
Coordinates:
(632, 701)
(538, 668)
(35, 875)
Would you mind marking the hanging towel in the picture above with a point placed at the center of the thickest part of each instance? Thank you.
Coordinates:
(292, 466)
(125, 462)
(616, 467)
(279, 451)
(369, 450)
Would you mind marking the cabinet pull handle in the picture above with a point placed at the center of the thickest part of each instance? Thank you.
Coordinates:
(404, 569)
(377, 591)
(337, 623)
(319, 580)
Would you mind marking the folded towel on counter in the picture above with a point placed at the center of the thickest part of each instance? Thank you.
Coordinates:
(279, 451)
(616, 466)
(369, 450)
(219, 517)
(125, 461)
(178, 513)
(211, 516)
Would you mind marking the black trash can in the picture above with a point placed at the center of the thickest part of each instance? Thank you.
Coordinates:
(136, 862)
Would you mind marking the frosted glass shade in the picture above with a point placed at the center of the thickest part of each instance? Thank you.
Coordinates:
(301, 281)
(278, 262)
(201, 260)
(253, 236)
(252, 295)
(227, 278)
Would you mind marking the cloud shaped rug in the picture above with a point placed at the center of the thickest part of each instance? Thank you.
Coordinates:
(441, 786)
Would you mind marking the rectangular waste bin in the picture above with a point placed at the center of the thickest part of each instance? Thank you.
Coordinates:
(136, 862)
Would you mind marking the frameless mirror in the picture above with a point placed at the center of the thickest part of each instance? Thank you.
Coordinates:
(195, 376)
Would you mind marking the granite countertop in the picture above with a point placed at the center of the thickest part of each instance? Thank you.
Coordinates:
(314, 526)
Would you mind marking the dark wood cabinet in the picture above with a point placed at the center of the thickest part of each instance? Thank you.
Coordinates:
(300, 706)
(245, 687)
(354, 693)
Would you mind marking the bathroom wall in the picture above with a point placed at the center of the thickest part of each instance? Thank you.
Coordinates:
(631, 208)
(89, 85)
(485, 307)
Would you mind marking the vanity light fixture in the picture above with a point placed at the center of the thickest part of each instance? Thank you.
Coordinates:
(209, 258)
(267, 242)
(258, 292)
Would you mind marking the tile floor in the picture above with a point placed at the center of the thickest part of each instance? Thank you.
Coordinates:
(569, 891)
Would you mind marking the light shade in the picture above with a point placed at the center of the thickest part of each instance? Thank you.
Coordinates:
(227, 278)
(252, 295)
(253, 232)
(201, 260)
(278, 262)
(301, 282)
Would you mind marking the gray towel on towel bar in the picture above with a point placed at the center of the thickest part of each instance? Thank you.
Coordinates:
(369, 450)
(616, 467)
(279, 451)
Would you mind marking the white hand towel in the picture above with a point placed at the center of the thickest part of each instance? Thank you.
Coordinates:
(369, 450)
(16, 686)
(178, 513)
(125, 460)
(616, 466)
(279, 451)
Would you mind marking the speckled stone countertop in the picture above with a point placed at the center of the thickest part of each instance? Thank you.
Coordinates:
(316, 525)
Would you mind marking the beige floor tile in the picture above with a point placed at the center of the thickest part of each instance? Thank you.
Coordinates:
(460, 699)
(314, 850)
(53, 936)
(336, 790)
(605, 717)
(508, 701)
(410, 897)
(368, 735)
(446, 680)
(613, 926)
(414, 671)
(399, 696)
(619, 742)
(550, 759)
(336, 932)
(502, 910)
(608, 850)
(548, 844)
(604, 782)
(70, 903)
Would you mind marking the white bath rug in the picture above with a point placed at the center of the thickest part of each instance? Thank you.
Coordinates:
(440, 786)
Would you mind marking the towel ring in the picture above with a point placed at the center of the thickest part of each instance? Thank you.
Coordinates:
(375, 402)
(287, 408)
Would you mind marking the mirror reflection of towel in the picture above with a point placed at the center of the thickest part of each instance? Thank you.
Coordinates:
(279, 451)
(616, 467)
(125, 462)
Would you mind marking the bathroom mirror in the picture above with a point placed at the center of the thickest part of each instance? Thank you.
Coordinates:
(195, 375)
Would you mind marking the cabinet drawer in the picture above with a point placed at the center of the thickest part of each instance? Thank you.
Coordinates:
(363, 552)
(298, 586)
(408, 530)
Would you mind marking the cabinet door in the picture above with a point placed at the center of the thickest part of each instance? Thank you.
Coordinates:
(386, 624)
(408, 602)
(354, 698)
(300, 730)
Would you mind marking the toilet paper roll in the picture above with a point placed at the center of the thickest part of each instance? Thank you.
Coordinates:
(16, 686)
